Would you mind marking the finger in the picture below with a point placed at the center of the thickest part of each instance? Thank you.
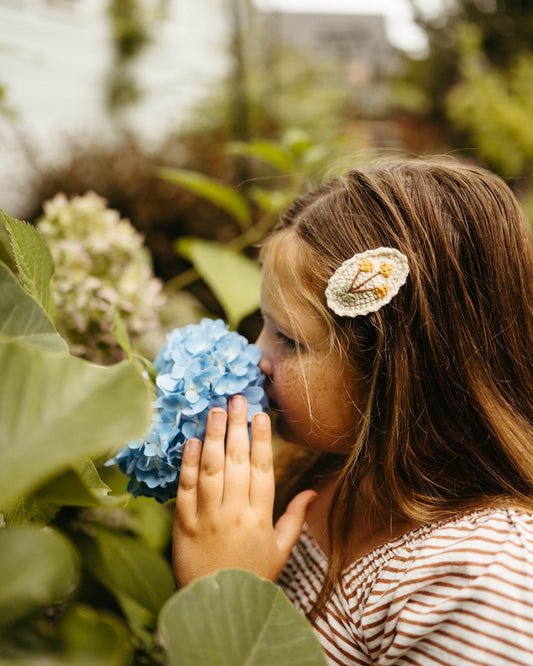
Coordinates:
(211, 477)
(262, 486)
(290, 524)
(237, 471)
(187, 497)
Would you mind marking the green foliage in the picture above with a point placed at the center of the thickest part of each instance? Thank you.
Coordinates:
(47, 399)
(287, 88)
(23, 318)
(255, 625)
(28, 582)
(506, 32)
(84, 570)
(471, 91)
(271, 87)
(131, 24)
(130, 568)
(137, 575)
(217, 193)
(295, 155)
(494, 108)
(234, 279)
(156, 208)
(88, 637)
(57, 412)
(80, 486)
(227, 270)
(128, 25)
(268, 151)
(34, 263)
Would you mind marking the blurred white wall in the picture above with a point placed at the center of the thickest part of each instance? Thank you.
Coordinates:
(54, 57)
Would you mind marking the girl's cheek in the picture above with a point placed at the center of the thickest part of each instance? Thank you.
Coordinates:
(291, 378)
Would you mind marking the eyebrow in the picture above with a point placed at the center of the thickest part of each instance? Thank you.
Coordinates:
(267, 315)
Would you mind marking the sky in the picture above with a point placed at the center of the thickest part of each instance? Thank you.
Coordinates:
(401, 30)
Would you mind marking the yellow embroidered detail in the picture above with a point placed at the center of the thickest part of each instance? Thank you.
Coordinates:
(382, 290)
(385, 269)
(366, 266)
(354, 288)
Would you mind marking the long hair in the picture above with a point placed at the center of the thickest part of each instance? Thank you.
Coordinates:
(446, 368)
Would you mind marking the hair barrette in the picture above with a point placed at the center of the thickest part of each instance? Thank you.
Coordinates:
(366, 282)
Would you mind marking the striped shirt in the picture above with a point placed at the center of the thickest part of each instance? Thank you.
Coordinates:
(447, 594)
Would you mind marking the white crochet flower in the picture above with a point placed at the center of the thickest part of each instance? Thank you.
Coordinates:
(366, 282)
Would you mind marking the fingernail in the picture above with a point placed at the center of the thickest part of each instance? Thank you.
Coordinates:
(194, 446)
(218, 416)
(237, 402)
(261, 420)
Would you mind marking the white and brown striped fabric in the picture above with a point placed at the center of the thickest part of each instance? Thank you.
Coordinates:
(447, 594)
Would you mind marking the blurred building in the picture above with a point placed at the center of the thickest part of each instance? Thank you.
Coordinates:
(359, 41)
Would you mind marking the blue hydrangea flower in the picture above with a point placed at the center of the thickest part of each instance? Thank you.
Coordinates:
(199, 367)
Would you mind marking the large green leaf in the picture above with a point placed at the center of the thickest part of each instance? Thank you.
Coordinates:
(21, 316)
(28, 511)
(120, 332)
(267, 151)
(297, 141)
(141, 623)
(151, 521)
(234, 618)
(6, 253)
(83, 637)
(81, 486)
(214, 191)
(56, 410)
(234, 279)
(34, 261)
(37, 567)
(129, 567)
(140, 578)
(271, 201)
(94, 637)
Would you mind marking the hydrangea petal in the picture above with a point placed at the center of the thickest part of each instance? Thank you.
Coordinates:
(199, 367)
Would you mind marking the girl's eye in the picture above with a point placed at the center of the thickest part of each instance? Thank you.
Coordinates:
(288, 342)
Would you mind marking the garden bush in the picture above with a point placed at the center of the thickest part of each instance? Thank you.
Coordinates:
(84, 567)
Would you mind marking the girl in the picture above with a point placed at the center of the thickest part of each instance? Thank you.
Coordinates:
(398, 354)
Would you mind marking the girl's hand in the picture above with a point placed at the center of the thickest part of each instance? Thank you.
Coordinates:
(225, 501)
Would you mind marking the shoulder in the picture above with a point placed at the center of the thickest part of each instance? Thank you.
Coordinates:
(495, 544)
(469, 542)
(459, 587)
(459, 591)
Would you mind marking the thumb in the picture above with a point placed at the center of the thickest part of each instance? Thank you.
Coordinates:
(290, 524)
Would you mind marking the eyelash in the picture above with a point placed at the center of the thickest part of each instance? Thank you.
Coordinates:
(292, 344)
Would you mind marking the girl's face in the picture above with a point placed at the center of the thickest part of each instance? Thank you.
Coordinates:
(305, 379)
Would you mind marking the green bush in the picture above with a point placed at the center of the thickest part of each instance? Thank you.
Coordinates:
(84, 568)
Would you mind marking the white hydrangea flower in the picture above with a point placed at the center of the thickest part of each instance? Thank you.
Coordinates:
(101, 264)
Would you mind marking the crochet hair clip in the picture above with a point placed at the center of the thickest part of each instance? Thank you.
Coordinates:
(366, 282)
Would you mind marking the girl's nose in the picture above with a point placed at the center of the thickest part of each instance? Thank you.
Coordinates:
(264, 364)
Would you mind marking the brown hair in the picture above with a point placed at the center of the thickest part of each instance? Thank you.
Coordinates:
(446, 368)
